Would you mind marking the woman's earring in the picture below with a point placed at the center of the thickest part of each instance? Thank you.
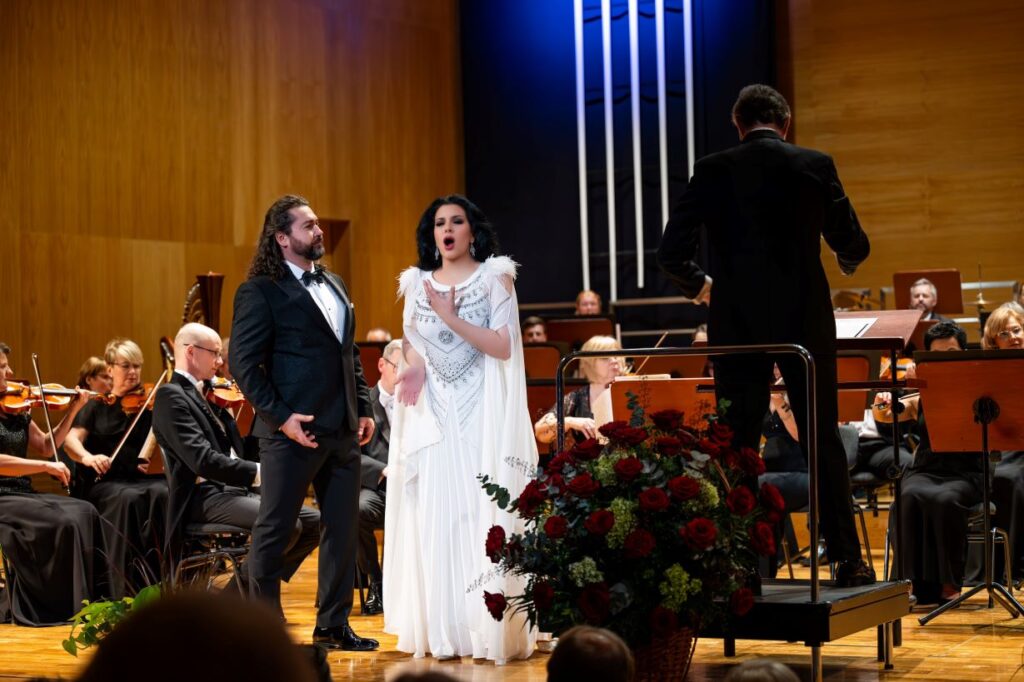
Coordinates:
(437, 253)
(472, 250)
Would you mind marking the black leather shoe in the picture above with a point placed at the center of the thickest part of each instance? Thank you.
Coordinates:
(343, 638)
(854, 573)
(374, 604)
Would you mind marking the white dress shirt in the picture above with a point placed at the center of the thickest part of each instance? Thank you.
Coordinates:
(326, 299)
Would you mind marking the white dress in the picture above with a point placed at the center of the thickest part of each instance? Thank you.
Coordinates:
(471, 418)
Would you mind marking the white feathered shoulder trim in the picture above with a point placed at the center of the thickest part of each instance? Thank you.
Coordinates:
(501, 266)
(408, 280)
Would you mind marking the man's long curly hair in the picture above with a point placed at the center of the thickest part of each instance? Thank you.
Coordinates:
(268, 259)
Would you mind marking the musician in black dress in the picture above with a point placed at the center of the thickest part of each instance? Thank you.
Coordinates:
(938, 492)
(51, 544)
(133, 503)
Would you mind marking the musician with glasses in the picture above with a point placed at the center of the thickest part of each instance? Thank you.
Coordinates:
(1004, 330)
(374, 476)
(133, 502)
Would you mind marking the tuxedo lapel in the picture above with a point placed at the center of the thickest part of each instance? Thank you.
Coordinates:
(198, 401)
(380, 415)
(299, 296)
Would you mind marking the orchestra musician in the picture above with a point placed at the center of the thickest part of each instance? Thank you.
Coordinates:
(94, 375)
(52, 543)
(208, 481)
(133, 503)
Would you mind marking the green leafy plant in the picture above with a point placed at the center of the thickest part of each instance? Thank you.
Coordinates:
(98, 619)
(657, 529)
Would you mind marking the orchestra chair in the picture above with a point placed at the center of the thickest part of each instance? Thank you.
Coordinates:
(369, 353)
(209, 547)
(541, 360)
(575, 331)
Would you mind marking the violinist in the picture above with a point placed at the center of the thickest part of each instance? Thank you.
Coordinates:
(133, 502)
(95, 376)
(207, 478)
(62, 529)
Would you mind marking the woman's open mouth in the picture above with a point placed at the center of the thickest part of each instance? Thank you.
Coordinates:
(449, 243)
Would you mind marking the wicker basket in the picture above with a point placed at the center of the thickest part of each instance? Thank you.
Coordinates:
(666, 659)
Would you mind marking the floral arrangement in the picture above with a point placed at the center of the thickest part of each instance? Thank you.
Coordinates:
(656, 530)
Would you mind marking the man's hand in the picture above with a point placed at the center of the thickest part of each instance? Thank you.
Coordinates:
(705, 293)
(293, 429)
(98, 463)
(409, 384)
(366, 427)
(59, 471)
(143, 466)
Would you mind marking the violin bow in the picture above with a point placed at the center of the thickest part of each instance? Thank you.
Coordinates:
(145, 406)
(46, 411)
(660, 341)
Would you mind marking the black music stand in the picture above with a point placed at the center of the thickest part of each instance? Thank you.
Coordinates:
(962, 390)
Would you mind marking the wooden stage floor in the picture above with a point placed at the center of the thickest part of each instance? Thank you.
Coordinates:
(972, 643)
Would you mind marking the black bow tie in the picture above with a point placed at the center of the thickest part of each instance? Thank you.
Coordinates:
(315, 276)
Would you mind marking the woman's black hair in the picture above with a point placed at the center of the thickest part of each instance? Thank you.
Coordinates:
(485, 239)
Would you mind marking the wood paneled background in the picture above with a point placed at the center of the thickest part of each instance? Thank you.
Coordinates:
(142, 141)
(921, 104)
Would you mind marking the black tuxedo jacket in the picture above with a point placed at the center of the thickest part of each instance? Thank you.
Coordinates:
(286, 359)
(375, 452)
(194, 446)
(765, 205)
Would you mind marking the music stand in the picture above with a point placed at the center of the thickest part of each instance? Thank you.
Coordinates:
(660, 393)
(963, 389)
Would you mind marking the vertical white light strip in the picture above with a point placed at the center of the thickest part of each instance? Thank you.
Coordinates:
(581, 141)
(609, 139)
(659, 30)
(634, 96)
(688, 60)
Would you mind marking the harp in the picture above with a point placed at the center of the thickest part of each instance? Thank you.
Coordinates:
(202, 303)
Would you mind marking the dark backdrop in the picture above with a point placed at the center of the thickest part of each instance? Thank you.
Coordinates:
(518, 70)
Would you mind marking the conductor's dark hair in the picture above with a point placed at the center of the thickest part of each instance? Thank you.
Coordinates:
(485, 239)
(760, 104)
(588, 653)
(945, 330)
(268, 261)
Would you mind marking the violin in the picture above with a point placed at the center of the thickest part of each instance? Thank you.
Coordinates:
(137, 399)
(20, 397)
(225, 393)
(902, 366)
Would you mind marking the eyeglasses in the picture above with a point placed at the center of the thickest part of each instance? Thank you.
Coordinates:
(218, 353)
(1007, 334)
(128, 365)
(390, 363)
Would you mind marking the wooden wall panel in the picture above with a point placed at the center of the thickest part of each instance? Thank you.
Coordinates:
(143, 140)
(920, 104)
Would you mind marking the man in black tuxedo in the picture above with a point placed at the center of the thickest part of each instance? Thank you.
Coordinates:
(207, 480)
(292, 354)
(375, 461)
(765, 205)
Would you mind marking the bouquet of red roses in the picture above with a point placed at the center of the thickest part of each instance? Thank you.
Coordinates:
(657, 529)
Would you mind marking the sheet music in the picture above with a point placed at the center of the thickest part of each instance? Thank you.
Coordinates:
(853, 327)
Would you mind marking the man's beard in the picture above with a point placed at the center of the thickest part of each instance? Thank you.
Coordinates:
(312, 251)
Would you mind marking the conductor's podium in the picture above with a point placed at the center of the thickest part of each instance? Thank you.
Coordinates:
(785, 612)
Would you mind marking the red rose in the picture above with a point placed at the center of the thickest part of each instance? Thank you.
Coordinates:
(631, 436)
(709, 447)
(721, 433)
(771, 498)
(531, 498)
(741, 601)
(762, 539)
(740, 500)
(684, 487)
(556, 482)
(600, 522)
(496, 604)
(699, 534)
(639, 544)
(495, 543)
(750, 462)
(728, 457)
(653, 499)
(555, 527)
(589, 449)
(628, 468)
(668, 446)
(663, 621)
(688, 437)
(559, 462)
(543, 595)
(609, 429)
(667, 420)
(583, 485)
(593, 603)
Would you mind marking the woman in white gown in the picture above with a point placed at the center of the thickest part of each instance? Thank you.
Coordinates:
(460, 412)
